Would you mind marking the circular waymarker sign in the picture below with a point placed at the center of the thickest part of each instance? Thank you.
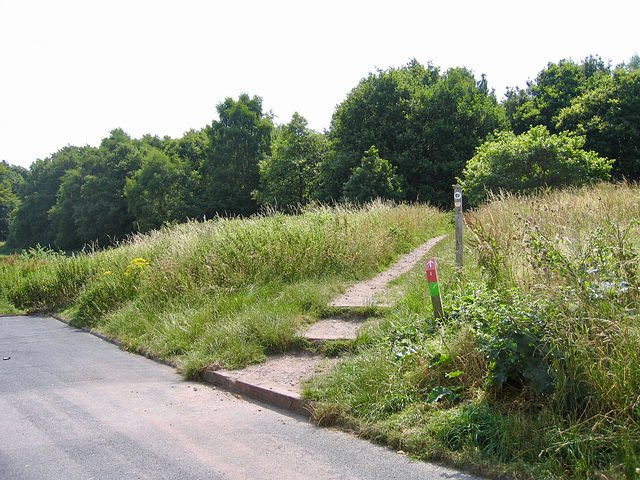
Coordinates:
(457, 195)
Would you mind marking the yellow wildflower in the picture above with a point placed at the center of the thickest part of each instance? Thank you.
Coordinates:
(136, 263)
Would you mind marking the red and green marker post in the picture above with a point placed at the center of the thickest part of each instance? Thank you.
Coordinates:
(434, 288)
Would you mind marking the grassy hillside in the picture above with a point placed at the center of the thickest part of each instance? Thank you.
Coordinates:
(228, 291)
(535, 371)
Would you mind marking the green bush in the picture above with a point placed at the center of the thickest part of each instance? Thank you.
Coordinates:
(512, 334)
(531, 161)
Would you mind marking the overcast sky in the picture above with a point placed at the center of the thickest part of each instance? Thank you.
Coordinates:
(71, 71)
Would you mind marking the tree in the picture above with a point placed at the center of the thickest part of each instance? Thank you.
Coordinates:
(609, 117)
(8, 198)
(373, 178)
(238, 141)
(159, 192)
(90, 196)
(191, 148)
(530, 161)
(376, 112)
(287, 176)
(16, 175)
(31, 225)
(633, 63)
(451, 119)
(62, 214)
(425, 124)
(102, 215)
(553, 89)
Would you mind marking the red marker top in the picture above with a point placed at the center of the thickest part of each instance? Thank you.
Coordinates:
(432, 275)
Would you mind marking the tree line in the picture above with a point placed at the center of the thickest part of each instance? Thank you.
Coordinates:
(406, 134)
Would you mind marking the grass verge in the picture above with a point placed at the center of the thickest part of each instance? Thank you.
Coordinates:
(534, 372)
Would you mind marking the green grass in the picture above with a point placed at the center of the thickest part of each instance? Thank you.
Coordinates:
(535, 370)
(226, 292)
(534, 373)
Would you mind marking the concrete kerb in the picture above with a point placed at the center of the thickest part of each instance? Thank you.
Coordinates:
(272, 396)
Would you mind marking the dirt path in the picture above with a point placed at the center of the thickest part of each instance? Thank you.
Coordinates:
(364, 294)
(281, 375)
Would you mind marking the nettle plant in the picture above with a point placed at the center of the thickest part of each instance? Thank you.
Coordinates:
(511, 333)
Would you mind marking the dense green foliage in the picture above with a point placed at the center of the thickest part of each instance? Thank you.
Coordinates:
(288, 175)
(609, 117)
(373, 178)
(425, 124)
(402, 134)
(11, 180)
(531, 161)
(161, 191)
(553, 89)
(237, 143)
(587, 98)
(39, 195)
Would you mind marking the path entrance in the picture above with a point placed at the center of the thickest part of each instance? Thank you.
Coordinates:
(278, 380)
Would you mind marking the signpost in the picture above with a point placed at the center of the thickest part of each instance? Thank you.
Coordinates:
(434, 288)
(457, 203)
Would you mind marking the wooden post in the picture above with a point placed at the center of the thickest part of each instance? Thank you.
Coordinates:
(434, 288)
(457, 202)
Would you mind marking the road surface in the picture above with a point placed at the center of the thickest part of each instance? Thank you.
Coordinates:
(75, 406)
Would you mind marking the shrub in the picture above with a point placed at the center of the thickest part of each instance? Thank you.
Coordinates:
(511, 333)
(531, 161)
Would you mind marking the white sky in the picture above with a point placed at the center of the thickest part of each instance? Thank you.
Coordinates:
(71, 71)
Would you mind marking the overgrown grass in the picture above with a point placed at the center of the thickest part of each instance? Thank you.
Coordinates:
(535, 370)
(533, 373)
(226, 292)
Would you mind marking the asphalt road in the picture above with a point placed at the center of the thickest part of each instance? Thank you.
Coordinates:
(75, 407)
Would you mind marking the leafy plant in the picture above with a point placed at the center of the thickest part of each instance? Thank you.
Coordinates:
(512, 335)
(531, 161)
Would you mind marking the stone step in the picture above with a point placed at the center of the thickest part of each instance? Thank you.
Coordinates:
(276, 382)
(333, 329)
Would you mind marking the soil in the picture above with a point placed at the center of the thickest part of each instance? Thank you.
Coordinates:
(286, 372)
(341, 328)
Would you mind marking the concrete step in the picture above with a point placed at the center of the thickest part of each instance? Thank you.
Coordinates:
(276, 382)
(343, 328)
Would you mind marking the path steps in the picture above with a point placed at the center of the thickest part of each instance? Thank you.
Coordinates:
(277, 381)
(267, 382)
